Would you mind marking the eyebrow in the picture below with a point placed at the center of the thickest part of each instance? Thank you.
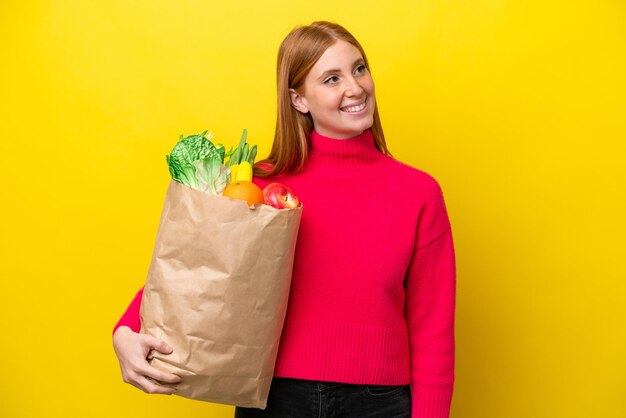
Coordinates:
(327, 72)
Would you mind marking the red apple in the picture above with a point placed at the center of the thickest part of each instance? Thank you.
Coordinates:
(280, 196)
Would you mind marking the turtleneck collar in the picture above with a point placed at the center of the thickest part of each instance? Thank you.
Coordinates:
(357, 150)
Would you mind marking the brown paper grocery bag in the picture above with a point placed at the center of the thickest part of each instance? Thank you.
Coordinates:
(217, 291)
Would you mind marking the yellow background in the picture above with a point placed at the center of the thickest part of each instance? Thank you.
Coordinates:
(517, 108)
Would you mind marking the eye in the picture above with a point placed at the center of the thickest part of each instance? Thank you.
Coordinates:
(360, 69)
(331, 80)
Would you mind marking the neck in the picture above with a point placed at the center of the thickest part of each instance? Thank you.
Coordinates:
(353, 151)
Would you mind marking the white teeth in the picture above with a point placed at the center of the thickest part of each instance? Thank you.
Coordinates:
(354, 108)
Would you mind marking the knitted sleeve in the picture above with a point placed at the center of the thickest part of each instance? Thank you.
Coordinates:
(131, 316)
(429, 310)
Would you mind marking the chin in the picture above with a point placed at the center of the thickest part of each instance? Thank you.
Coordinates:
(365, 125)
(346, 130)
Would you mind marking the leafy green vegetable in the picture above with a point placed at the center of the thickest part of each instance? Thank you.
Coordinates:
(213, 176)
(196, 162)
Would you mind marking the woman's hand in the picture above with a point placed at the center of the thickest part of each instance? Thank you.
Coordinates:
(132, 349)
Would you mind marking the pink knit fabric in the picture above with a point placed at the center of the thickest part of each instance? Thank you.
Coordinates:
(372, 299)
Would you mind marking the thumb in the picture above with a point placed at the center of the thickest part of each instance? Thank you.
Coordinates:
(158, 345)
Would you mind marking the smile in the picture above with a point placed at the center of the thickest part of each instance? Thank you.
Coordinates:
(353, 109)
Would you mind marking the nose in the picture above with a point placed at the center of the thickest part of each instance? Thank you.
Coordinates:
(353, 87)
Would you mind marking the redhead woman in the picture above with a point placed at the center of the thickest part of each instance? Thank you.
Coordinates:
(369, 330)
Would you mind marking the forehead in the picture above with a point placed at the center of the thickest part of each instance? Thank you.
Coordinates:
(340, 55)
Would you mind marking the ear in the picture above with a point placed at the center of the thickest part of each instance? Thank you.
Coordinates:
(298, 102)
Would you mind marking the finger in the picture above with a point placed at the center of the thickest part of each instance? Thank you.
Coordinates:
(135, 380)
(135, 384)
(158, 345)
(152, 387)
(159, 376)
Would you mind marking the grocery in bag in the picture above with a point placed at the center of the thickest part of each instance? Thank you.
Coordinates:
(217, 291)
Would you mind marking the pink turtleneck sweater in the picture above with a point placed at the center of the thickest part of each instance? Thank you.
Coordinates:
(372, 299)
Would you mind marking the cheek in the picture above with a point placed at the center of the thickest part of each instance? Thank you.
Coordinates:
(332, 100)
(328, 104)
(324, 101)
(368, 86)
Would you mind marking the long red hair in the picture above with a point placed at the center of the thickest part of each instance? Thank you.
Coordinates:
(298, 52)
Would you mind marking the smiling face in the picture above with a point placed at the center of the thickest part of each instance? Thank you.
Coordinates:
(338, 92)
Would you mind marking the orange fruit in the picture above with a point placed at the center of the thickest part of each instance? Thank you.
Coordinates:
(244, 190)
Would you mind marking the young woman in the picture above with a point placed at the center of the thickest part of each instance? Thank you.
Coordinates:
(369, 330)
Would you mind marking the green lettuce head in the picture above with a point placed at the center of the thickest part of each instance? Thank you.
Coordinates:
(197, 148)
